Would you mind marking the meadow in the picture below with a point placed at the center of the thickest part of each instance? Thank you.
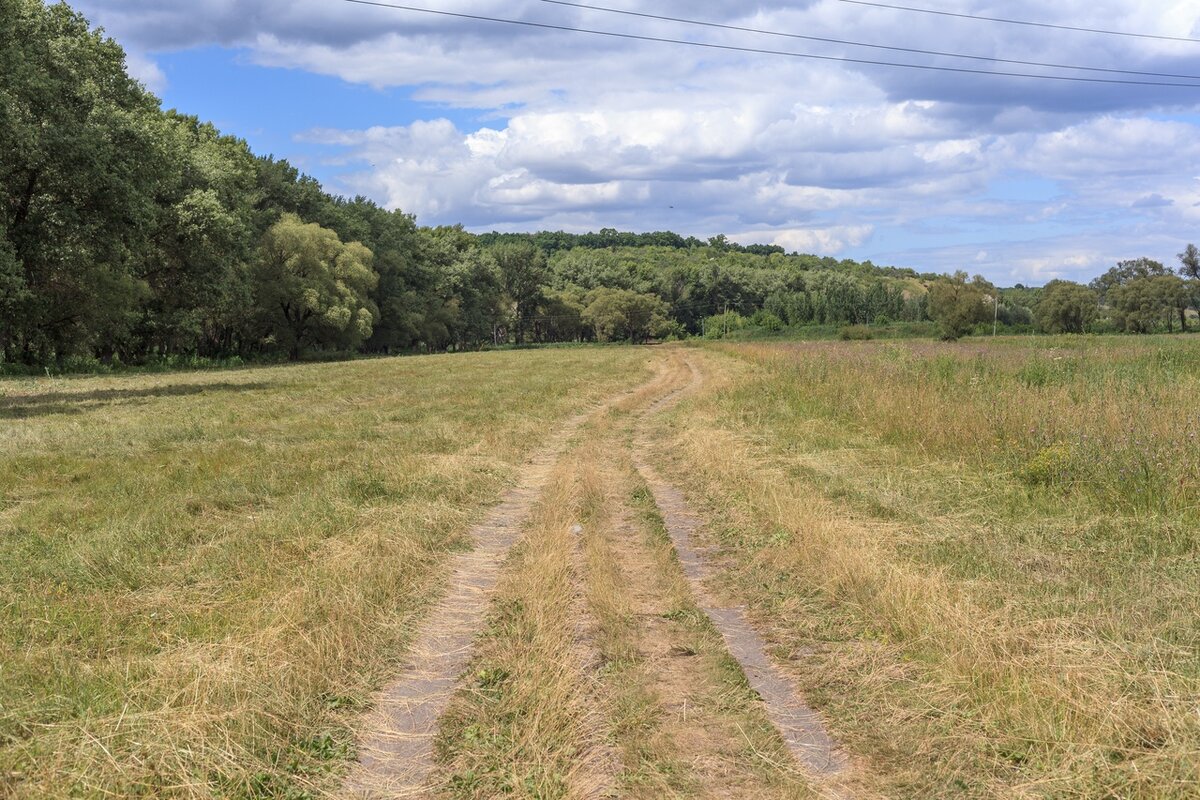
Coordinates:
(979, 558)
(203, 576)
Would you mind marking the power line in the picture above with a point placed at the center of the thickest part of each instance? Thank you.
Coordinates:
(1021, 22)
(916, 50)
(763, 51)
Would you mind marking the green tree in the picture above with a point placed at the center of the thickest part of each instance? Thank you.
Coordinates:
(1189, 261)
(312, 288)
(524, 274)
(474, 298)
(619, 314)
(1065, 307)
(559, 318)
(1124, 272)
(80, 158)
(957, 305)
(1142, 304)
(196, 262)
(408, 262)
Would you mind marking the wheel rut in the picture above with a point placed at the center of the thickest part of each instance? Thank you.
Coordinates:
(395, 753)
(801, 727)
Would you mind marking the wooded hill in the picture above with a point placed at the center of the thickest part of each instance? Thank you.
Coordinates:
(132, 234)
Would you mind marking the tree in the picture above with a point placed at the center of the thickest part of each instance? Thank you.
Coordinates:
(956, 305)
(1124, 272)
(313, 288)
(619, 314)
(560, 318)
(1142, 304)
(1189, 261)
(81, 158)
(473, 295)
(523, 273)
(197, 257)
(1065, 307)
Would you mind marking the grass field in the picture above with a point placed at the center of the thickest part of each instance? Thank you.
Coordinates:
(204, 576)
(977, 560)
(980, 558)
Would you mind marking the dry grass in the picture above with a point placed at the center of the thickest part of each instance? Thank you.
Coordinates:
(978, 560)
(970, 624)
(526, 724)
(205, 576)
(598, 676)
(682, 715)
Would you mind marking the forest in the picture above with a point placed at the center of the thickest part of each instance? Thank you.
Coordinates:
(136, 235)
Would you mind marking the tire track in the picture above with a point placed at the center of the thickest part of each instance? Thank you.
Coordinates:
(802, 727)
(396, 749)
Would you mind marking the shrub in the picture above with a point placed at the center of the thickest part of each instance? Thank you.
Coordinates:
(766, 320)
(1053, 465)
(855, 333)
(718, 325)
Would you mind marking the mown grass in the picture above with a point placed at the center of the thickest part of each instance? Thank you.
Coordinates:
(528, 722)
(597, 675)
(981, 558)
(203, 577)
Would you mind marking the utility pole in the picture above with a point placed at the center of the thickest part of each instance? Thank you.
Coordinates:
(995, 313)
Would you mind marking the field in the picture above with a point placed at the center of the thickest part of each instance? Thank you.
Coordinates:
(980, 558)
(205, 575)
(977, 561)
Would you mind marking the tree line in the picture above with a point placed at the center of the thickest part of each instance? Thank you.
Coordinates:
(132, 234)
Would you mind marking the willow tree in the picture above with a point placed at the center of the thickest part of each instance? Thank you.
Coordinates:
(1065, 307)
(957, 304)
(312, 288)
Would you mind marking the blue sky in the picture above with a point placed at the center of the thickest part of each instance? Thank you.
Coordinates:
(273, 107)
(510, 128)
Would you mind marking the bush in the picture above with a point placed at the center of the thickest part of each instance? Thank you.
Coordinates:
(1053, 465)
(855, 333)
(718, 325)
(82, 364)
(766, 320)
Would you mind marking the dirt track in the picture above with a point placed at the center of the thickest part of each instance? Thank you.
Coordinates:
(694, 723)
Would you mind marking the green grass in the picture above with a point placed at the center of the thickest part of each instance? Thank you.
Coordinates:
(204, 576)
(984, 555)
(980, 561)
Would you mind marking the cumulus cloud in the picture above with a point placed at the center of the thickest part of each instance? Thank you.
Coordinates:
(145, 70)
(810, 240)
(588, 131)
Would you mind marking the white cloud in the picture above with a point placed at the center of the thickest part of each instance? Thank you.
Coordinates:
(586, 132)
(145, 70)
(810, 240)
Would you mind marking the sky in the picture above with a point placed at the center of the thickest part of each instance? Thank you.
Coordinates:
(518, 128)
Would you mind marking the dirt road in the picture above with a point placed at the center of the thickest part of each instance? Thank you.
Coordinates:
(662, 691)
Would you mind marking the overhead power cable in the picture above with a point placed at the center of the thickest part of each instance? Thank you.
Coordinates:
(1027, 23)
(764, 51)
(895, 48)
